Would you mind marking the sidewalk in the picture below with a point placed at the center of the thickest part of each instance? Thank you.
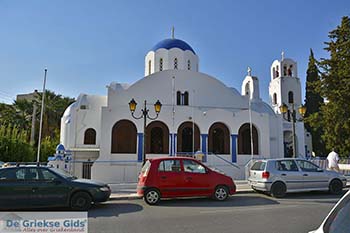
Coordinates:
(128, 191)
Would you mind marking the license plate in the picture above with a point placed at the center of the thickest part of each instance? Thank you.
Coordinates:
(253, 183)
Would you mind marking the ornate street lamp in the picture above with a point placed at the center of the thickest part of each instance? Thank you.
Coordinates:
(291, 116)
(144, 115)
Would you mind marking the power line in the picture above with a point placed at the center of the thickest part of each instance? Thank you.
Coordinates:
(5, 93)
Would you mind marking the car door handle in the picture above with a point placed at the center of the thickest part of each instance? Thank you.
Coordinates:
(188, 178)
(34, 189)
(305, 175)
(163, 177)
(283, 174)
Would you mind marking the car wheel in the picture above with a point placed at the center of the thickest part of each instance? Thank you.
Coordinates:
(81, 201)
(221, 193)
(151, 196)
(336, 187)
(278, 190)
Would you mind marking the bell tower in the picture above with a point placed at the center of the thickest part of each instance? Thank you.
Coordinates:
(285, 88)
(285, 85)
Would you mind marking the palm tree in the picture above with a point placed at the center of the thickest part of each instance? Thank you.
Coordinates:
(55, 105)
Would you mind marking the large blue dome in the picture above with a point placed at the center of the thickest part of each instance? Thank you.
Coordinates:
(173, 43)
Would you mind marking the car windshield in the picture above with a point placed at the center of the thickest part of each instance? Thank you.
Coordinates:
(146, 167)
(339, 221)
(259, 166)
(62, 173)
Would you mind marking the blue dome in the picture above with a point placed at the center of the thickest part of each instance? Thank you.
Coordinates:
(60, 147)
(173, 43)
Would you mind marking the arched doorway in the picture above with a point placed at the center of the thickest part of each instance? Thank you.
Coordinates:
(157, 138)
(219, 139)
(244, 142)
(288, 144)
(185, 137)
(124, 136)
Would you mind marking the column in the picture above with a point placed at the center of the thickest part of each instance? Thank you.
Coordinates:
(140, 147)
(234, 147)
(204, 146)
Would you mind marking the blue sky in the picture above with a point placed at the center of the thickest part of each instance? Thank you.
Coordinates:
(86, 45)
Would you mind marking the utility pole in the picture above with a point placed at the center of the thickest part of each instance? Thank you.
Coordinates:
(41, 118)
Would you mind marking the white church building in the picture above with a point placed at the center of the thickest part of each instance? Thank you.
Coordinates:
(199, 113)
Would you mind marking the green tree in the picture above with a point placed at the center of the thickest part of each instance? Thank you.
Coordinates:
(313, 103)
(334, 86)
(15, 127)
(48, 146)
(14, 146)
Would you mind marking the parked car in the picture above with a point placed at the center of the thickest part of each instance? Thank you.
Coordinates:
(280, 176)
(337, 220)
(1, 163)
(171, 177)
(37, 186)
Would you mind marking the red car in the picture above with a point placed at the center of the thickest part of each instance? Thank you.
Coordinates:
(171, 177)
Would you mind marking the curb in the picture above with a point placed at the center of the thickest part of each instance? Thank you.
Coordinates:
(135, 197)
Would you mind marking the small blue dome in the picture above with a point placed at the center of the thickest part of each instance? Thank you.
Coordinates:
(173, 43)
(60, 147)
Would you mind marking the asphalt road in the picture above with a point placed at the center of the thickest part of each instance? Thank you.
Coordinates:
(242, 213)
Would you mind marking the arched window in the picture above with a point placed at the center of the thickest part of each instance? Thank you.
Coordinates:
(182, 98)
(90, 137)
(273, 72)
(161, 64)
(189, 65)
(219, 139)
(277, 72)
(149, 67)
(185, 96)
(175, 63)
(285, 70)
(290, 97)
(244, 145)
(290, 72)
(274, 98)
(157, 138)
(124, 136)
(247, 89)
(185, 137)
(178, 98)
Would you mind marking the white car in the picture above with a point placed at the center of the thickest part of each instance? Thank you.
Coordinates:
(281, 176)
(338, 219)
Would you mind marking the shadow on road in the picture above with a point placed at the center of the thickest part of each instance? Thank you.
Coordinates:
(329, 198)
(113, 210)
(234, 201)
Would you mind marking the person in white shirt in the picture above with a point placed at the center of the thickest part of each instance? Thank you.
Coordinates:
(333, 159)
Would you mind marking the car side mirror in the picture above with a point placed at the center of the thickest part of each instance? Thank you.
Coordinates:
(319, 170)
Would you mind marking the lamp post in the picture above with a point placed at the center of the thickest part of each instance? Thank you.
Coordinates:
(291, 116)
(144, 115)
